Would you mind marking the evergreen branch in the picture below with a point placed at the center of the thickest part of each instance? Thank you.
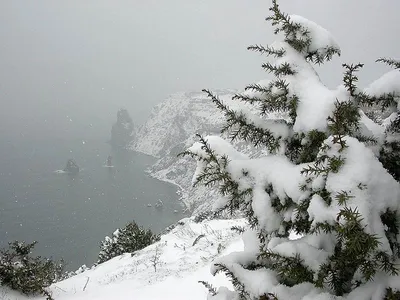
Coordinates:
(212, 290)
(343, 197)
(389, 219)
(324, 227)
(349, 78)
(389, 156)
(215, 173)
(302, 222)
(239, 286)
(335, 163)
(281, 70)
(208, 178)
(394, 126)
(247, 99)
(384, 100)
(238, 124)
(212, 157)
(274, 97)
(344, 121)
(387, 263)
(390, 62)
(207, 149)
(188, 153)
(392, 294)
(345, 118)
(368, 269)
(298, 37)
(292, 107)
(325, 195)
(238, 229)
(247, 209)
(318, 58)
(278, 17)
(366, 139)
(239, 127)
(352, 252)
(295, 34)
(236, 198)
(350, 215)
(269, 296)
(305, 148)
(291, 270)
(267, 50)
(258, 88)
(317, 168)
(220, 105)
(282, 85)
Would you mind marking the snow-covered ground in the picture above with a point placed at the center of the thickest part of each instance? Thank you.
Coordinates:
(168, 269)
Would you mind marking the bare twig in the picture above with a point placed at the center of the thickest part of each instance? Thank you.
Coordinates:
(87, 281)
(197, 239)
(59, 288)
(155, 260)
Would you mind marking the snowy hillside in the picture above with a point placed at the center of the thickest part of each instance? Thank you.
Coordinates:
(175, 120)
(168, 269)
(170, 130)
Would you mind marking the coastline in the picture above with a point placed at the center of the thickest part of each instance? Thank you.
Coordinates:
(182, 193)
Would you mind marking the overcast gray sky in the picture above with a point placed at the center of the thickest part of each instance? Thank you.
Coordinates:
(66, 66)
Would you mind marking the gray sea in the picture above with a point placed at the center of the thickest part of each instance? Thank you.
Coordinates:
(69, 215)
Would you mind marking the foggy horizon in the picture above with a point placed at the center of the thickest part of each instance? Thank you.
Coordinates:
(67, 67)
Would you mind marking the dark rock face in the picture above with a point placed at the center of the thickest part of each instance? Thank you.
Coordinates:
(71, 167)
(122, 130)
(109, 161)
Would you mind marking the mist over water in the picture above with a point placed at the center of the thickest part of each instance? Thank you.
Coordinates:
(81, 60)
(70, 215)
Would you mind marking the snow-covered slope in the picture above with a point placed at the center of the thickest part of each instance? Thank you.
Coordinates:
(176, 119)
(183, 257)
(170, 130)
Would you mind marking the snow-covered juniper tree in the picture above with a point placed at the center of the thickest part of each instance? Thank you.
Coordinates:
(128, 239)
(331, 176)
(21, 271)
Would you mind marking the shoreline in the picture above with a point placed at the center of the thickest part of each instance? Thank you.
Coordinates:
(181, 192)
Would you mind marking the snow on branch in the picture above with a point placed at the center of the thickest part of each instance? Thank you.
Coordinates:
(390, 62)
(314, 42)
(322, 45)
(388, 84)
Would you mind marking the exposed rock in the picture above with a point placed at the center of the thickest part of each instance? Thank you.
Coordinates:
(71, 167)
(122, 132)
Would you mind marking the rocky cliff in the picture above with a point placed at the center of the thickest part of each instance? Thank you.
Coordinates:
(170, 130)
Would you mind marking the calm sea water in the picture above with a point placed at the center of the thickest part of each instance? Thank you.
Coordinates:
(70, 215)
